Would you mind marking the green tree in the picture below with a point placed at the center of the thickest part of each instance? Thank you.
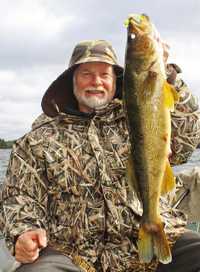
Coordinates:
(10, 143)
(3, 144)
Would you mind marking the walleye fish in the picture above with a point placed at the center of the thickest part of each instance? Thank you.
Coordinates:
(148, 100)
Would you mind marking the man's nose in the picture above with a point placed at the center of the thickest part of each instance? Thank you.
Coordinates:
(96, 81)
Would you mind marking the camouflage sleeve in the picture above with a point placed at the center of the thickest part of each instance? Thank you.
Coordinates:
(184, 119)
(24, 194)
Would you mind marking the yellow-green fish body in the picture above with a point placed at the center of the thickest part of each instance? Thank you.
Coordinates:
(148, 100)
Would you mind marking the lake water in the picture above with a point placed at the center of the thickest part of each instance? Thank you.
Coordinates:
(193, 162)
(4, 160)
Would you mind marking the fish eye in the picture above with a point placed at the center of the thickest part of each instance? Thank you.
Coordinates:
(131, 37)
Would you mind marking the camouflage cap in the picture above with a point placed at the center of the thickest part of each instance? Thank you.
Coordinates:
(60, 92)
(93, 51)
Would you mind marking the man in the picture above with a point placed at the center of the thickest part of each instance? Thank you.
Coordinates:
(65, 189)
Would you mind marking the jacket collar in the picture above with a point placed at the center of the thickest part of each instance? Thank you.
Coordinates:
(106, 113)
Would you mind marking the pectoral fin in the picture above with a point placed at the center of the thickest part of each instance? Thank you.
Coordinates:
(168, 183)
(149, 85)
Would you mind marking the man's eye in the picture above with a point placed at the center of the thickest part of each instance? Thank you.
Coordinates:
(86, 74)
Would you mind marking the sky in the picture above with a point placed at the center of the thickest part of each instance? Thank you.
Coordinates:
(37, 38)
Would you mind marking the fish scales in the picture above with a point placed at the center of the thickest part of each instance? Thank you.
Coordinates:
(148, 100)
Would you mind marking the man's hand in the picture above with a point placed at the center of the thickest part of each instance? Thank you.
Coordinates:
(27, 245)
(165, 46)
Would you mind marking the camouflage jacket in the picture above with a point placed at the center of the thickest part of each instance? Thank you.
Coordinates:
(67, 176)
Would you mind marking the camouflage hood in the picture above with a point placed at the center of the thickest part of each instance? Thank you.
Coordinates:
(60, 92)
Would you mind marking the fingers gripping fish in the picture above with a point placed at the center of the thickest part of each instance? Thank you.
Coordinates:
(148, 100)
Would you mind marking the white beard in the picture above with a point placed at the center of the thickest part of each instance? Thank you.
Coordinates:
(93, 101)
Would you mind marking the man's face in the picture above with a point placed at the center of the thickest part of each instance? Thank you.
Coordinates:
(94, 85)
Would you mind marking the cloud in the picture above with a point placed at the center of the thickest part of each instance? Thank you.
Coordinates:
(28, 33)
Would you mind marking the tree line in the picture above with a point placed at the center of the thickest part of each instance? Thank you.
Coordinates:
(5, 145)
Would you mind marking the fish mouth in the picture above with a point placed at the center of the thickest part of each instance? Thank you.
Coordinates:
(139, 28)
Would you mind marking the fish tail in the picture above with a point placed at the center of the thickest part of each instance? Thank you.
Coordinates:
(162, 248)
(145, 245)
(152, 240)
